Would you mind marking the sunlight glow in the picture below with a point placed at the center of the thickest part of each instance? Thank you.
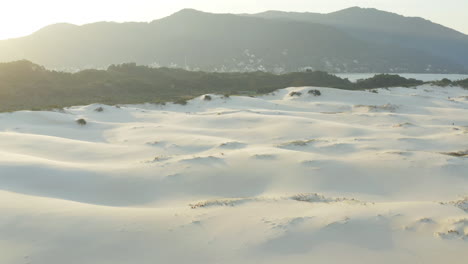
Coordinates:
(22, 17)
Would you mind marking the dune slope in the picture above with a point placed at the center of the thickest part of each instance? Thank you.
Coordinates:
(346, 176)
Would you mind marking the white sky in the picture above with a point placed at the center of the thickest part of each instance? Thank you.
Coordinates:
(22, 17)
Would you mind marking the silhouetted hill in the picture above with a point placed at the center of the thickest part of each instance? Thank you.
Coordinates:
(196, 40)
(382, 27)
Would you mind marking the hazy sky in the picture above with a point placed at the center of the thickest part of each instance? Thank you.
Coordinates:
(22, 17)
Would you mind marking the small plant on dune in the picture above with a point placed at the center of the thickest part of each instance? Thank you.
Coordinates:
(374, 91)
(298, 143)
(314, 92)
(426, 220)
(462, 204)
(376, 108)
(81, 122)
(156, 159)
(459, 154)
(295, 94)
(207, 98)
(406, 124)
(309, 197)
(99, 109)
(226, 96)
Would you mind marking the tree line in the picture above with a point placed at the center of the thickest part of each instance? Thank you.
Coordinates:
(25, 85)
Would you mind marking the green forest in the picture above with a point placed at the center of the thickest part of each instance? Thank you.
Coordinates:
(28, 86)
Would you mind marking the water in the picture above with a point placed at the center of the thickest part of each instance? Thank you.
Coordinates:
(423, 77)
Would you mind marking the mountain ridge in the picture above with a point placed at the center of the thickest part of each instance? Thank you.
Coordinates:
(370, 24)
(358, 11)
(200, 40)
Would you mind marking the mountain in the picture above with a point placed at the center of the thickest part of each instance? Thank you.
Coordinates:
(220, 42)
(382, 27)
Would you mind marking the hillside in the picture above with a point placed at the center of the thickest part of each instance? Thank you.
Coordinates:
(218, 42)
(382, 27)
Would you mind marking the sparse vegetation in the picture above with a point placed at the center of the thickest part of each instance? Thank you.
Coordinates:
(207, 98)
(461, 83)
(221, 202)
(405, 124)
(446, 82)
(314, 92)
(298, 143)
(387, 80)
(305, 197)
(462, 204)
(457, 154)
(443, 83)
(376, 108)
(99, 109)
(311, 197)
(292, 94)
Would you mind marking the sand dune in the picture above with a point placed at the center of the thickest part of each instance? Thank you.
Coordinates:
(345, 177)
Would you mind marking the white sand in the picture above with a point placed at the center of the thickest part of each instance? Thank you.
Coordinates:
(234, 180)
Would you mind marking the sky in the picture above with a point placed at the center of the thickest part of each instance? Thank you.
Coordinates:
(23, 17)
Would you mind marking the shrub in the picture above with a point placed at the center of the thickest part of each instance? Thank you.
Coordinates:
(457, 154)
(314, 92)
(81, 122)
(387, 80)
(297, 143)
(295, 94)
(99, 109)
(443, 83)
(207, 98)
(377, 108)
(462, 83)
